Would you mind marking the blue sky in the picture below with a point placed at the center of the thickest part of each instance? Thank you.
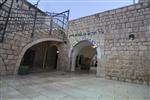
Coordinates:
(81, 8)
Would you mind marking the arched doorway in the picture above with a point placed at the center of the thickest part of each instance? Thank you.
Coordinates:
(84, 57)
(41, 57)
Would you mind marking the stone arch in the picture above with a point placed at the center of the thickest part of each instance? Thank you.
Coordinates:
(77, 47)
(54, 45)
(29, 46)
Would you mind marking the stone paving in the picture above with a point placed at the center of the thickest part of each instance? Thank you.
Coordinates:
(66, 86)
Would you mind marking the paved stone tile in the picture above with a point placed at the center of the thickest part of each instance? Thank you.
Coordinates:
(53, 94)
(41, 98)
(9, 93)
(28, 92)
(65, 86)
(68, 97)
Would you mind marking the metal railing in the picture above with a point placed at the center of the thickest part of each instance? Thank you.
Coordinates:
(15, 20)
(60, 19)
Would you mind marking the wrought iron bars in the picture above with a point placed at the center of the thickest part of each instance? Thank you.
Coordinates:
(14, 20)
(59, 20)
(5, 19)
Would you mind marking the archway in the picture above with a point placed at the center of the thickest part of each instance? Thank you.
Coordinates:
(84, 56)
(41, 57)
(53, 44)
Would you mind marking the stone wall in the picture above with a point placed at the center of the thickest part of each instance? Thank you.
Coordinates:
(63, 58)
(144, 1)
(15, 44)
(122, 58)
(21, 4)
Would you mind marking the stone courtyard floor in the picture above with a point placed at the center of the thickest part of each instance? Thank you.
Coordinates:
(65, 86)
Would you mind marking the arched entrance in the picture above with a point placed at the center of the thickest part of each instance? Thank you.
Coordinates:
(41, 57)
(84, 57)
(34, 48)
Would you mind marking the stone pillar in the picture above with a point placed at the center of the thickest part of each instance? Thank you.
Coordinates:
(140, 1)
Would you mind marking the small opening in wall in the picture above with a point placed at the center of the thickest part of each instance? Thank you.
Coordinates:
(65, 42)
(131, 37)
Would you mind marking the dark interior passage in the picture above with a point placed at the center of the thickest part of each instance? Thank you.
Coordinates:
(41, 57)
(86, 59)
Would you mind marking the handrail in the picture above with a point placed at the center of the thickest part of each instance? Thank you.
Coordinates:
(16, 20)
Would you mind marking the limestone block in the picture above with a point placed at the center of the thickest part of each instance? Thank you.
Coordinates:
(10, 57)
(143, 1)
(143, 47)
(6, 46)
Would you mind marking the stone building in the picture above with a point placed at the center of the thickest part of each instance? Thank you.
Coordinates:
(116, 43)
(25, 39)
(121, 37)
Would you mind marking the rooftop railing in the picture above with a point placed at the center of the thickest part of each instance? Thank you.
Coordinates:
(19, 20)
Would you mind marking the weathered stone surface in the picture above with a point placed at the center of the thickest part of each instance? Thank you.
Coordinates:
(121, 58)
(125, 59)
(143, 1)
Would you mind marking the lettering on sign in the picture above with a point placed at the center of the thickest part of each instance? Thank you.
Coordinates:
(99, 31)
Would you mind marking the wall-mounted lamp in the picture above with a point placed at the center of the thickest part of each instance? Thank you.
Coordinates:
(55, 29)
(94, 46)
(57, 52)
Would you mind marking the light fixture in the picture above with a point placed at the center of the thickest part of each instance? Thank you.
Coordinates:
(55, 29)
(93, 46)
(57, 51)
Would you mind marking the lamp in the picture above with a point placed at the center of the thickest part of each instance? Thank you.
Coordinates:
(57, 51)
(94, 46)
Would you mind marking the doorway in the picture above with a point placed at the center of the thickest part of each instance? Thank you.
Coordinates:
(41, 57)
(84, 58)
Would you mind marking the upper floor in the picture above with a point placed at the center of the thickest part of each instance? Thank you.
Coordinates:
(22, 16)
